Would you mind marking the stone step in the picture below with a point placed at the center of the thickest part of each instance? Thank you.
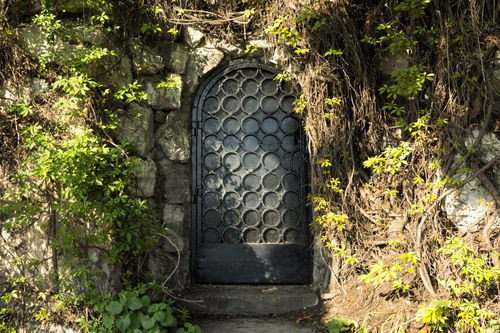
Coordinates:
(247, 300)
(251, 325)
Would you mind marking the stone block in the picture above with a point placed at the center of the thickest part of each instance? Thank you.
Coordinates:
(176, 57)
(160, 116)
(160, 97)
(389, 62)
(173, 217)
(205, 59)
(34, 41)
(145, 176)
(146, 60)
(174, 138)
(176, 183)
(137, 127)
(192, 36)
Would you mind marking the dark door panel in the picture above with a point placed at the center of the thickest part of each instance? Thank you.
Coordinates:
(249, 167)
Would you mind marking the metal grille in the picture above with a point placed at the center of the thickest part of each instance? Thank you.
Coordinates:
(249, 168)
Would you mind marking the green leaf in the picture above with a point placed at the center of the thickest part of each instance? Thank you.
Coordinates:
(145, 300)
(107, 321)
(147, 322)
(153, 308)
(134, 303)
(169, 320)
(115, 308)
(123, 323)
(159, 316)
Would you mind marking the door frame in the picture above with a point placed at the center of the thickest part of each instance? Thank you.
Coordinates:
(196, 151)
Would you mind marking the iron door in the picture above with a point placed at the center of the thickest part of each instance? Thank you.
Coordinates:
(249, 186)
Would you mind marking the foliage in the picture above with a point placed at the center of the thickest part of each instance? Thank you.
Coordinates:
(136, 311)
(338, 325)
(131, 93)
(474, 282)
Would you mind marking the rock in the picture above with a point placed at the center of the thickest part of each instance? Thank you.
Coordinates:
(263, 47)
(137, 126)
(206, 59)
(173, 221)
(192, 36)
(34, 41)
(176, 183)
(173, 214)
(226, 47)
(112, 71)
(164, 98)
(39, 86)
(468, 206)
(77, 33)
(146, 60)
(487, 150)
(191, 81)
(160, 116)
(176, 56)
(145, 176)
(174, 139)
(280, 56)
(389, 62)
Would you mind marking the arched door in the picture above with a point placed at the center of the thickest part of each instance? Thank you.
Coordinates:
(250, 221)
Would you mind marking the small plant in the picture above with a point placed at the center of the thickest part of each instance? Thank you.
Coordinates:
(466, 309)
(391, 160)
(251, 48)
(135, 311)
(131, 93)
(171, 82)
(338, 325)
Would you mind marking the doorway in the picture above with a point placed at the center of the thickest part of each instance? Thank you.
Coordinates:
(250, 222)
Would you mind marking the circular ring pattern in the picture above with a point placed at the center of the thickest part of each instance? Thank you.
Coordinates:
(231, 125)
(251, 235)
(231, 235)
(231, 218)
(250, 143)
(271, 235)
(211, 236)
(250, 126)
(251, 200)
(232, 161)
(269, 125)
(232, 182)
(231, 143)
(251, 218)
(211, 104)
(251, 182)
(212, 182)
(231, 200)
(271, 218)
(211, 125)
(211, 143)
(251, 161)
(271, 182)
(250, 104)
(211, 218)
(269, 104)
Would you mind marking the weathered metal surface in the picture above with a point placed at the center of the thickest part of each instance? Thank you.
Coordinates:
(249, 186)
